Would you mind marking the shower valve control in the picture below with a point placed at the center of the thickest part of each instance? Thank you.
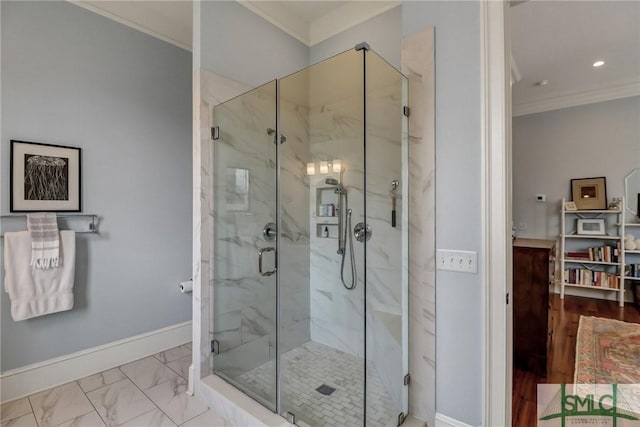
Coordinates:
(362, 232)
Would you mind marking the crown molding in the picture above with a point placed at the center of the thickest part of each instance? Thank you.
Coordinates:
(280, 17)
(574, 99)
(322, 28)
(345, 17)
(129, 23)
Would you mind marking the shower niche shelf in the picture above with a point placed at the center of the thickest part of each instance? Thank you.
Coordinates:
(331, 230)
(326, 196)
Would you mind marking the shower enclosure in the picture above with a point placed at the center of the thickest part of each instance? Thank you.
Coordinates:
(309, 314)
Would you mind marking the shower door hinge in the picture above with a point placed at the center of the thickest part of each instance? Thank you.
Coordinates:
(291, 417)
(507, 298)
(271, 131)
(215, 347)
(401, 418)
(215, 133)
(405, 110)
(407, 379)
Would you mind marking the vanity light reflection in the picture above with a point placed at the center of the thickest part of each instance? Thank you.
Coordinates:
(325, 167)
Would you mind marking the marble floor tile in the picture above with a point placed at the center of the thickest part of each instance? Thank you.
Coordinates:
(120, 402)
(207, 419)
(14, 409)
(181, 366)
(59, 404)
(171, 398)
(92, 419)
(173, 354)
(155, 418)
(147, 372)
(27, 420)
(189, 345)
(101, 379)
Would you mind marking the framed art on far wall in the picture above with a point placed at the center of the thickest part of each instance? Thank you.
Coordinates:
(594, 227)
(589, 193)
(44, 177)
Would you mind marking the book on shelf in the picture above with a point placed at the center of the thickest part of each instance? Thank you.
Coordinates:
(632, 270)
(604, 253)
(592, 278)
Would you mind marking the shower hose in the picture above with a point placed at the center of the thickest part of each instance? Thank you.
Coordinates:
(348, 236)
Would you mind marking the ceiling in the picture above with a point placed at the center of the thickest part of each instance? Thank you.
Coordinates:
(556, 41)
(310, 22)
(559, 41)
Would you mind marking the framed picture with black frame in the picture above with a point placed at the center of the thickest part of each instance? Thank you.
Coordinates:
(589, 193)
(45, 177)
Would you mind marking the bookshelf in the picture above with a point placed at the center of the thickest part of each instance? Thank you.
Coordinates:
(632, 256)
(593, 261)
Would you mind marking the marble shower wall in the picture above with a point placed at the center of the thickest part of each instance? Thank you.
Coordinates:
(244, 190)
(211, 89)
(387, 251)
(418, 66)
(243, 301)
(336, 132)
(336, 120)
(294, 202)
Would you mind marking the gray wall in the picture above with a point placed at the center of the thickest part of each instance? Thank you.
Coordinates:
(551, 148)
(458, 215)
(72, 77)
(240, 45)
(382, 32)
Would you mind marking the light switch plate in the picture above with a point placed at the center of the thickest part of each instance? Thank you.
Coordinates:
(462, 261)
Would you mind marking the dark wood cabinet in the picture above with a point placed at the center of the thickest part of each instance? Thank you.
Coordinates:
(533, 272)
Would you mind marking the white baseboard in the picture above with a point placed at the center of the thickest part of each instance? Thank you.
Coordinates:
(30, 379)
(444, 421)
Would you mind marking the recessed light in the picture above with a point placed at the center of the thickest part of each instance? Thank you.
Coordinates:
(541, 83)
(598, 64)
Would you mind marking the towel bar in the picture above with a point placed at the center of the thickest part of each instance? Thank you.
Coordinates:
(93, 224)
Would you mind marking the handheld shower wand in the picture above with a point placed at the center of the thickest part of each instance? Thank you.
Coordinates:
(339, 191)
(343, 232)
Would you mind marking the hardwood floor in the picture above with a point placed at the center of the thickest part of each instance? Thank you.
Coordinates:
(561, 363)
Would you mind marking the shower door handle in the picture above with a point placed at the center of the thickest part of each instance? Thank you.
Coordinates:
(275, 268)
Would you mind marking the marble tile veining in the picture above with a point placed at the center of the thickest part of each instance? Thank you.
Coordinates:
(154, 418)
(59, 404)
(101, 379)
(14, 409)
(418, 65)
(209, 418)
(92, 419)
(147, 372)
(181, 366)
(27, 420)
(171, 398)
(110, 398)
(173, 354)
(120, 402)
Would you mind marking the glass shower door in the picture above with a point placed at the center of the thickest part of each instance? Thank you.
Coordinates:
(244, 241)
(322, 286)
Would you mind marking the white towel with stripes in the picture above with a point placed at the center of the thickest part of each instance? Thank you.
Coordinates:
(33, 291)
(45, 240)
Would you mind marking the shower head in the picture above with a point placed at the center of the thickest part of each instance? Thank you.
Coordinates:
(333, 181)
